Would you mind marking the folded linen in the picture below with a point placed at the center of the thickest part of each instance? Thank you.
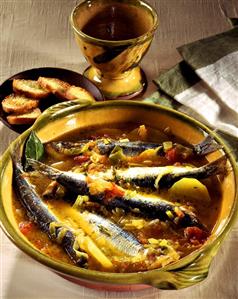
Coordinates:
(206, 82)
(215, 61)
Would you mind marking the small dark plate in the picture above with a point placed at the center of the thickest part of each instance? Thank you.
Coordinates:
(71, 77)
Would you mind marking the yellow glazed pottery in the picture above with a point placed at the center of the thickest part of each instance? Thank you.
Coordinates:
(114, 63)
(69, 116)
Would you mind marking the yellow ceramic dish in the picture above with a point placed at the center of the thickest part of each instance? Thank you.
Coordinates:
(68, 116)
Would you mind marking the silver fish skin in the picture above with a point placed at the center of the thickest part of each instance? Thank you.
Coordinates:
(122, 240)
(42, 216)
(146, 206)
(151, 208)
(130, 148)
(215, 167)
(105, 146)
(133, 148)
(162, 177)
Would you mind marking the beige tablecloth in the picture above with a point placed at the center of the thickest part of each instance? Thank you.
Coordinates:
(36, 33)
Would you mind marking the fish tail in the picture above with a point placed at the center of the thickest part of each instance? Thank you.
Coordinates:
(208, 145)
(215, 167)
(43, 168)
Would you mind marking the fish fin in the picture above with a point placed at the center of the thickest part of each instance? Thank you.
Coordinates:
(208, 145)
(43, 168)
(217, 166)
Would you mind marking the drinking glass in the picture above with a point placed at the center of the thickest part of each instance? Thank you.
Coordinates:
(114, 35)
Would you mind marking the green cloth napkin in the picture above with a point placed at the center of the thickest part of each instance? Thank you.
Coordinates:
(206, 81)
(205, 84)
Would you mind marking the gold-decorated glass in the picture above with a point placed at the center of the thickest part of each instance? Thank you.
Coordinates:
(114, 35)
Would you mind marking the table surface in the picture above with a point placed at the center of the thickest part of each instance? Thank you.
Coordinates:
(37, 34)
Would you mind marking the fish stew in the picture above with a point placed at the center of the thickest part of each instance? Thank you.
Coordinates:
(123, 219)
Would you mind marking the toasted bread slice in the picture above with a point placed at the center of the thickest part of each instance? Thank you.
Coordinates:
(74, 92)
(18, 104)
(23, 119)
(55, 86)
(29, 88)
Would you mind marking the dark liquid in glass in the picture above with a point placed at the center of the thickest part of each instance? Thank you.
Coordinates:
(118, 22)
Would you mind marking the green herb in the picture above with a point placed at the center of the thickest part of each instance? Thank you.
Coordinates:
(34, 149)
(117, 155)
(167, 145)
(80, 200)
(169, 214)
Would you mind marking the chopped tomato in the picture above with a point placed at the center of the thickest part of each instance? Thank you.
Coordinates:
(113, 192)
(195, 233)
(26, 226)
(171, 155)
(81, 159)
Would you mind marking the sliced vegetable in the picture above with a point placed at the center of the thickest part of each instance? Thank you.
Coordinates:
(189, 189)
(90, 247)
(149, 157)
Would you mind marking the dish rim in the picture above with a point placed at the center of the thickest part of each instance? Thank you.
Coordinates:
(145, 277)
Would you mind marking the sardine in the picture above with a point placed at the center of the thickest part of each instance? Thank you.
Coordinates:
(151, 207)
(130, 148)
(105, 231)
(163, 177)
(38, 211)
(213, 168)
